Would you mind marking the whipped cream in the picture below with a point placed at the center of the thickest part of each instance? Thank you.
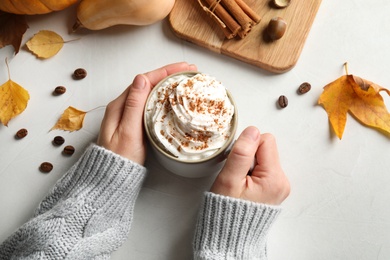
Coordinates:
(190, 116)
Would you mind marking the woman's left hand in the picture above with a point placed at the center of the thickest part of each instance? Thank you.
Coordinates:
(122, 126)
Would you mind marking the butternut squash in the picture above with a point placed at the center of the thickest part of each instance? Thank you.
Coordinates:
(100, 14)
(34, 6)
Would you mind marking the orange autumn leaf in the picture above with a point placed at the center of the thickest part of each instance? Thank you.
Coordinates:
(71, 120)
(13, 100)
(358, 96)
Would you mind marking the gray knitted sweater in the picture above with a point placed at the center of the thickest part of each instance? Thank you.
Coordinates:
(88, 215)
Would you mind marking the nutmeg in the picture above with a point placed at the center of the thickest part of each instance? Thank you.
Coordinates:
(276, 28)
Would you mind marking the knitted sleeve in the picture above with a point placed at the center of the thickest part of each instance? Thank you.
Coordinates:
(229, 228)
(87, 215)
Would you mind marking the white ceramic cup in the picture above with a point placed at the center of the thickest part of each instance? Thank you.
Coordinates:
(191, 168)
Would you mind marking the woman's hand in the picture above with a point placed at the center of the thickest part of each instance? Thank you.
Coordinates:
(266, 183)
(122, 126)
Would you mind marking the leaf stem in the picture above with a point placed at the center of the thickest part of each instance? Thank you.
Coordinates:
(72, 40)
(95, 109)
(6, 63)
(346, 67)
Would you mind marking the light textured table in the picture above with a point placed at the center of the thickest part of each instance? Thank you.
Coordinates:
(339, 203)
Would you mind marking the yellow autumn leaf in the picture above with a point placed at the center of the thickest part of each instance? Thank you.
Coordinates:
(45, 44)
(13, 100)
(358, 96)
(71, 120)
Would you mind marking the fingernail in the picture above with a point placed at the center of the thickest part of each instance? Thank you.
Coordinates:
(252, 133)
(192, 67)
(139, 82)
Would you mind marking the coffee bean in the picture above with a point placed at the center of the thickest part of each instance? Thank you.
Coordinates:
(59, 90)
(283, 101)
(68, 150)
(304, 88)
(46, 167)
(79, 73)
(21, 133)
(58, 140)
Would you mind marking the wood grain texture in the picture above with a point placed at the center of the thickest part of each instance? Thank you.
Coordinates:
(191, 23)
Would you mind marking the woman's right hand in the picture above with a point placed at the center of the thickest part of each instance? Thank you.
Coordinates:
(266, 183)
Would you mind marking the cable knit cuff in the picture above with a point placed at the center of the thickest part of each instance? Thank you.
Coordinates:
(229, 228)
(87, 215)
(99, 176)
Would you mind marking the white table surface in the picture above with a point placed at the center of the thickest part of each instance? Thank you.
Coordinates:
(339, 203)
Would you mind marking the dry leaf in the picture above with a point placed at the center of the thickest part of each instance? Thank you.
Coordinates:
(361, 98)
(45, 44)
(12, 29)
(13, 99)
(71, 120)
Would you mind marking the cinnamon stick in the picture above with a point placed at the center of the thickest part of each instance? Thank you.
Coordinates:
(226, 18)
(249, 11)
(234, 17)
(235, 10)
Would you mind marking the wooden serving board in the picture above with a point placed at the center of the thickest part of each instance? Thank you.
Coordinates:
(189, 22)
